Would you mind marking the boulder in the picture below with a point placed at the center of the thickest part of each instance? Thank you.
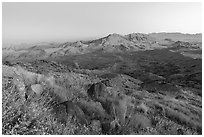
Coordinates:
(37, 88)
(97, 91)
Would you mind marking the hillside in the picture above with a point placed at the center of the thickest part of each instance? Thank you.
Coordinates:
(137, 84)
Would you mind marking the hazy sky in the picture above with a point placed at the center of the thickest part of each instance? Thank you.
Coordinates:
(35, 22)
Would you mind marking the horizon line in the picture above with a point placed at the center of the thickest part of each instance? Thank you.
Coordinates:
(87, 39)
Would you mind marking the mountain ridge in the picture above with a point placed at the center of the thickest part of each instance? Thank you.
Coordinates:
(111, 43)
(8, 45)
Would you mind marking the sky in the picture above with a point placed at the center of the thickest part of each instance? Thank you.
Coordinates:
(45, 22)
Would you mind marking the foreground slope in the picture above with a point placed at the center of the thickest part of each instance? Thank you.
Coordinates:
(152, 112)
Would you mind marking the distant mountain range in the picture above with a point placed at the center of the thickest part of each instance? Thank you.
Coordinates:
(111, 43)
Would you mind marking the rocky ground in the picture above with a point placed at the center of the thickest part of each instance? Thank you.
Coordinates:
(46, 97)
